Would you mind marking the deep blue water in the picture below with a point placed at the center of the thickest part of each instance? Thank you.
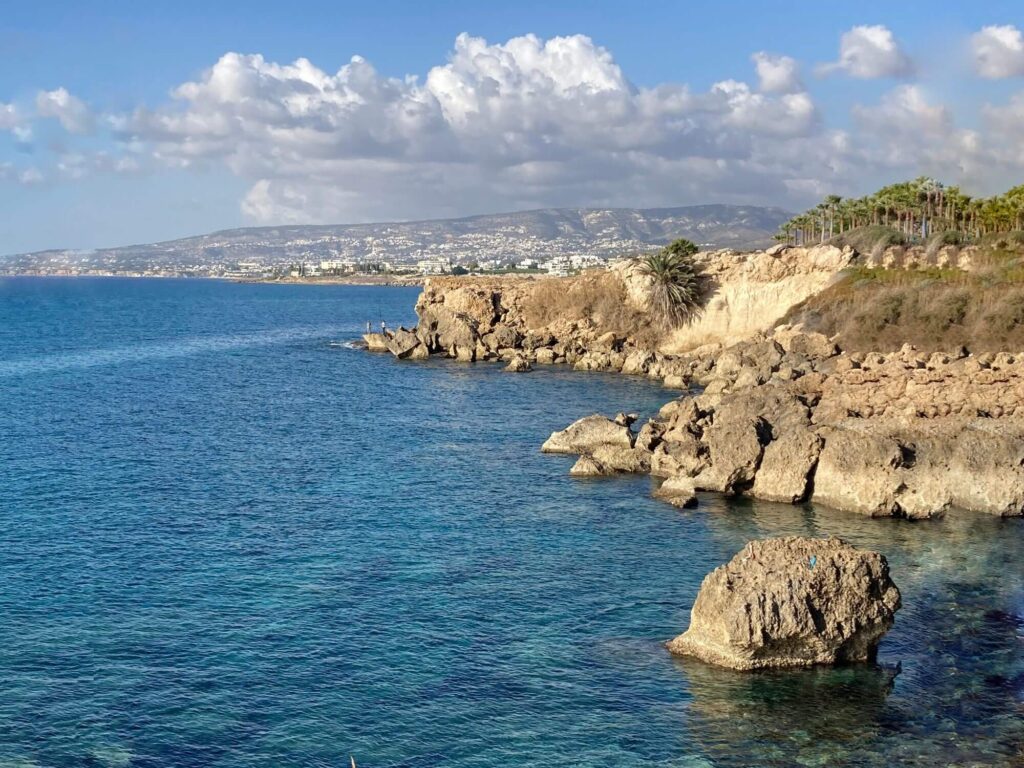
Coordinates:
(226, 542)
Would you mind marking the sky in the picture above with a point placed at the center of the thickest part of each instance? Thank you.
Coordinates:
(126, 122)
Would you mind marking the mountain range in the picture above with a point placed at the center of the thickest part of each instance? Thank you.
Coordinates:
(506, 237)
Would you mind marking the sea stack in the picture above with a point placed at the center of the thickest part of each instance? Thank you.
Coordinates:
(792, 602)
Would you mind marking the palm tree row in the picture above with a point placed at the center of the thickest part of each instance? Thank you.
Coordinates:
(917, 209)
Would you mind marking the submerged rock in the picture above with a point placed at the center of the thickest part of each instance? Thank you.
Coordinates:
(792, 602)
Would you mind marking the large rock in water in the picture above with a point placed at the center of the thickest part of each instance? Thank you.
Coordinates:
(588, 434)
(792, 602)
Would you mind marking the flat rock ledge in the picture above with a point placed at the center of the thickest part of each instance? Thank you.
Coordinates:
(792, 602)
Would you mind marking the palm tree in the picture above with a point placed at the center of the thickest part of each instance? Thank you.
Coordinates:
(675, 286)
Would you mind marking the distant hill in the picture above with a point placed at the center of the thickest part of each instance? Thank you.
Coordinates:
(539, 234)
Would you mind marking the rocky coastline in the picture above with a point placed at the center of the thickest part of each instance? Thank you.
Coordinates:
(769, 411)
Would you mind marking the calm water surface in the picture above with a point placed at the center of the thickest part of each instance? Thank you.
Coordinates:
(225, 541)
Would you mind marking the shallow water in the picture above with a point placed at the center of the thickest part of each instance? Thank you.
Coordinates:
(226, 541)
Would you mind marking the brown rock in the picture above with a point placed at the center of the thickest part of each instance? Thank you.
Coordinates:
(585, 466)
(678, 491)
(588, 433)
(857, 471)
(519, 364)
(402, 342)
(792, 602)
(786, 466)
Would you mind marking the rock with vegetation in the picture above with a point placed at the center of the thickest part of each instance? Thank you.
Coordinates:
(792, 602)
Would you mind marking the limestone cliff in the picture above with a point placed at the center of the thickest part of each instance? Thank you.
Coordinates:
(485, 318)
(746, 292)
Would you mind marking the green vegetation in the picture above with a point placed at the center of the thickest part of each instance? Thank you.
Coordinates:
(917, 210)
(676, 293)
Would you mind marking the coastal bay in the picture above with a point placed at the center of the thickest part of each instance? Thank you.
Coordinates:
(213, 561)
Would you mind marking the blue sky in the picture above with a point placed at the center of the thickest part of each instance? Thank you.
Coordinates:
(659, 104)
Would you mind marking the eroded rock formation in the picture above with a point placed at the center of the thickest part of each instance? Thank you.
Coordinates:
(776, 413)
(792, 602)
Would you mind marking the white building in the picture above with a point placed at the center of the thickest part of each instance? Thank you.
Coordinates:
(436, 265)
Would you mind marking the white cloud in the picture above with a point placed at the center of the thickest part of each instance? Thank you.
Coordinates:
(777, 74)
(869, 52)
(528, 122)
(30, 176)
(905, 110)
(12, 120)
(906, 131)
(9, 117)
(23, 176)
(74, 115)
(998, 52)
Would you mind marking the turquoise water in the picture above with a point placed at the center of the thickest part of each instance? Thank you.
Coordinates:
(227, 542)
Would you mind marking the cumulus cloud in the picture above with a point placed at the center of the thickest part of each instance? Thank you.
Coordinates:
(998, 52)
(906, 129)
(777, 74)
(528, 123)
(520, 123)
(869, 52)
(74, 115)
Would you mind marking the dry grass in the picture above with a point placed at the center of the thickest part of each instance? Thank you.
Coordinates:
(871, 239)
(599, 297)
(933, 309)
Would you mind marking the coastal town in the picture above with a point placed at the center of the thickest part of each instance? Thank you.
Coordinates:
(550, 241)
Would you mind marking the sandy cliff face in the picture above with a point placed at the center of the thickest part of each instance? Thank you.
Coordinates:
(747, 292)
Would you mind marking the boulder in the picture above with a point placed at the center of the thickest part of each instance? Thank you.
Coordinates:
(545, 356)
(811, 345)
(518, 364)
(618, 458)
(376, 342)
(626, 419)
(501, 337)
(637, 362)
(792, 602)
(678, 491)
(402, 342)
(684, 455)
(735, 442)
(419, 352)
(444, 330)
(585, 466)
(786, 466)
(588, 433)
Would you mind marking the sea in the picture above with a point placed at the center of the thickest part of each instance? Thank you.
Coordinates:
(229, 537)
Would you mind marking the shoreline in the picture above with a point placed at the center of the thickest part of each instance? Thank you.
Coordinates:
(777, 413)
(360, 281)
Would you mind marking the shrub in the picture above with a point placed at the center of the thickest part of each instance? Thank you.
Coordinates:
(675, 290)
(871, 240)
(933, 309)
